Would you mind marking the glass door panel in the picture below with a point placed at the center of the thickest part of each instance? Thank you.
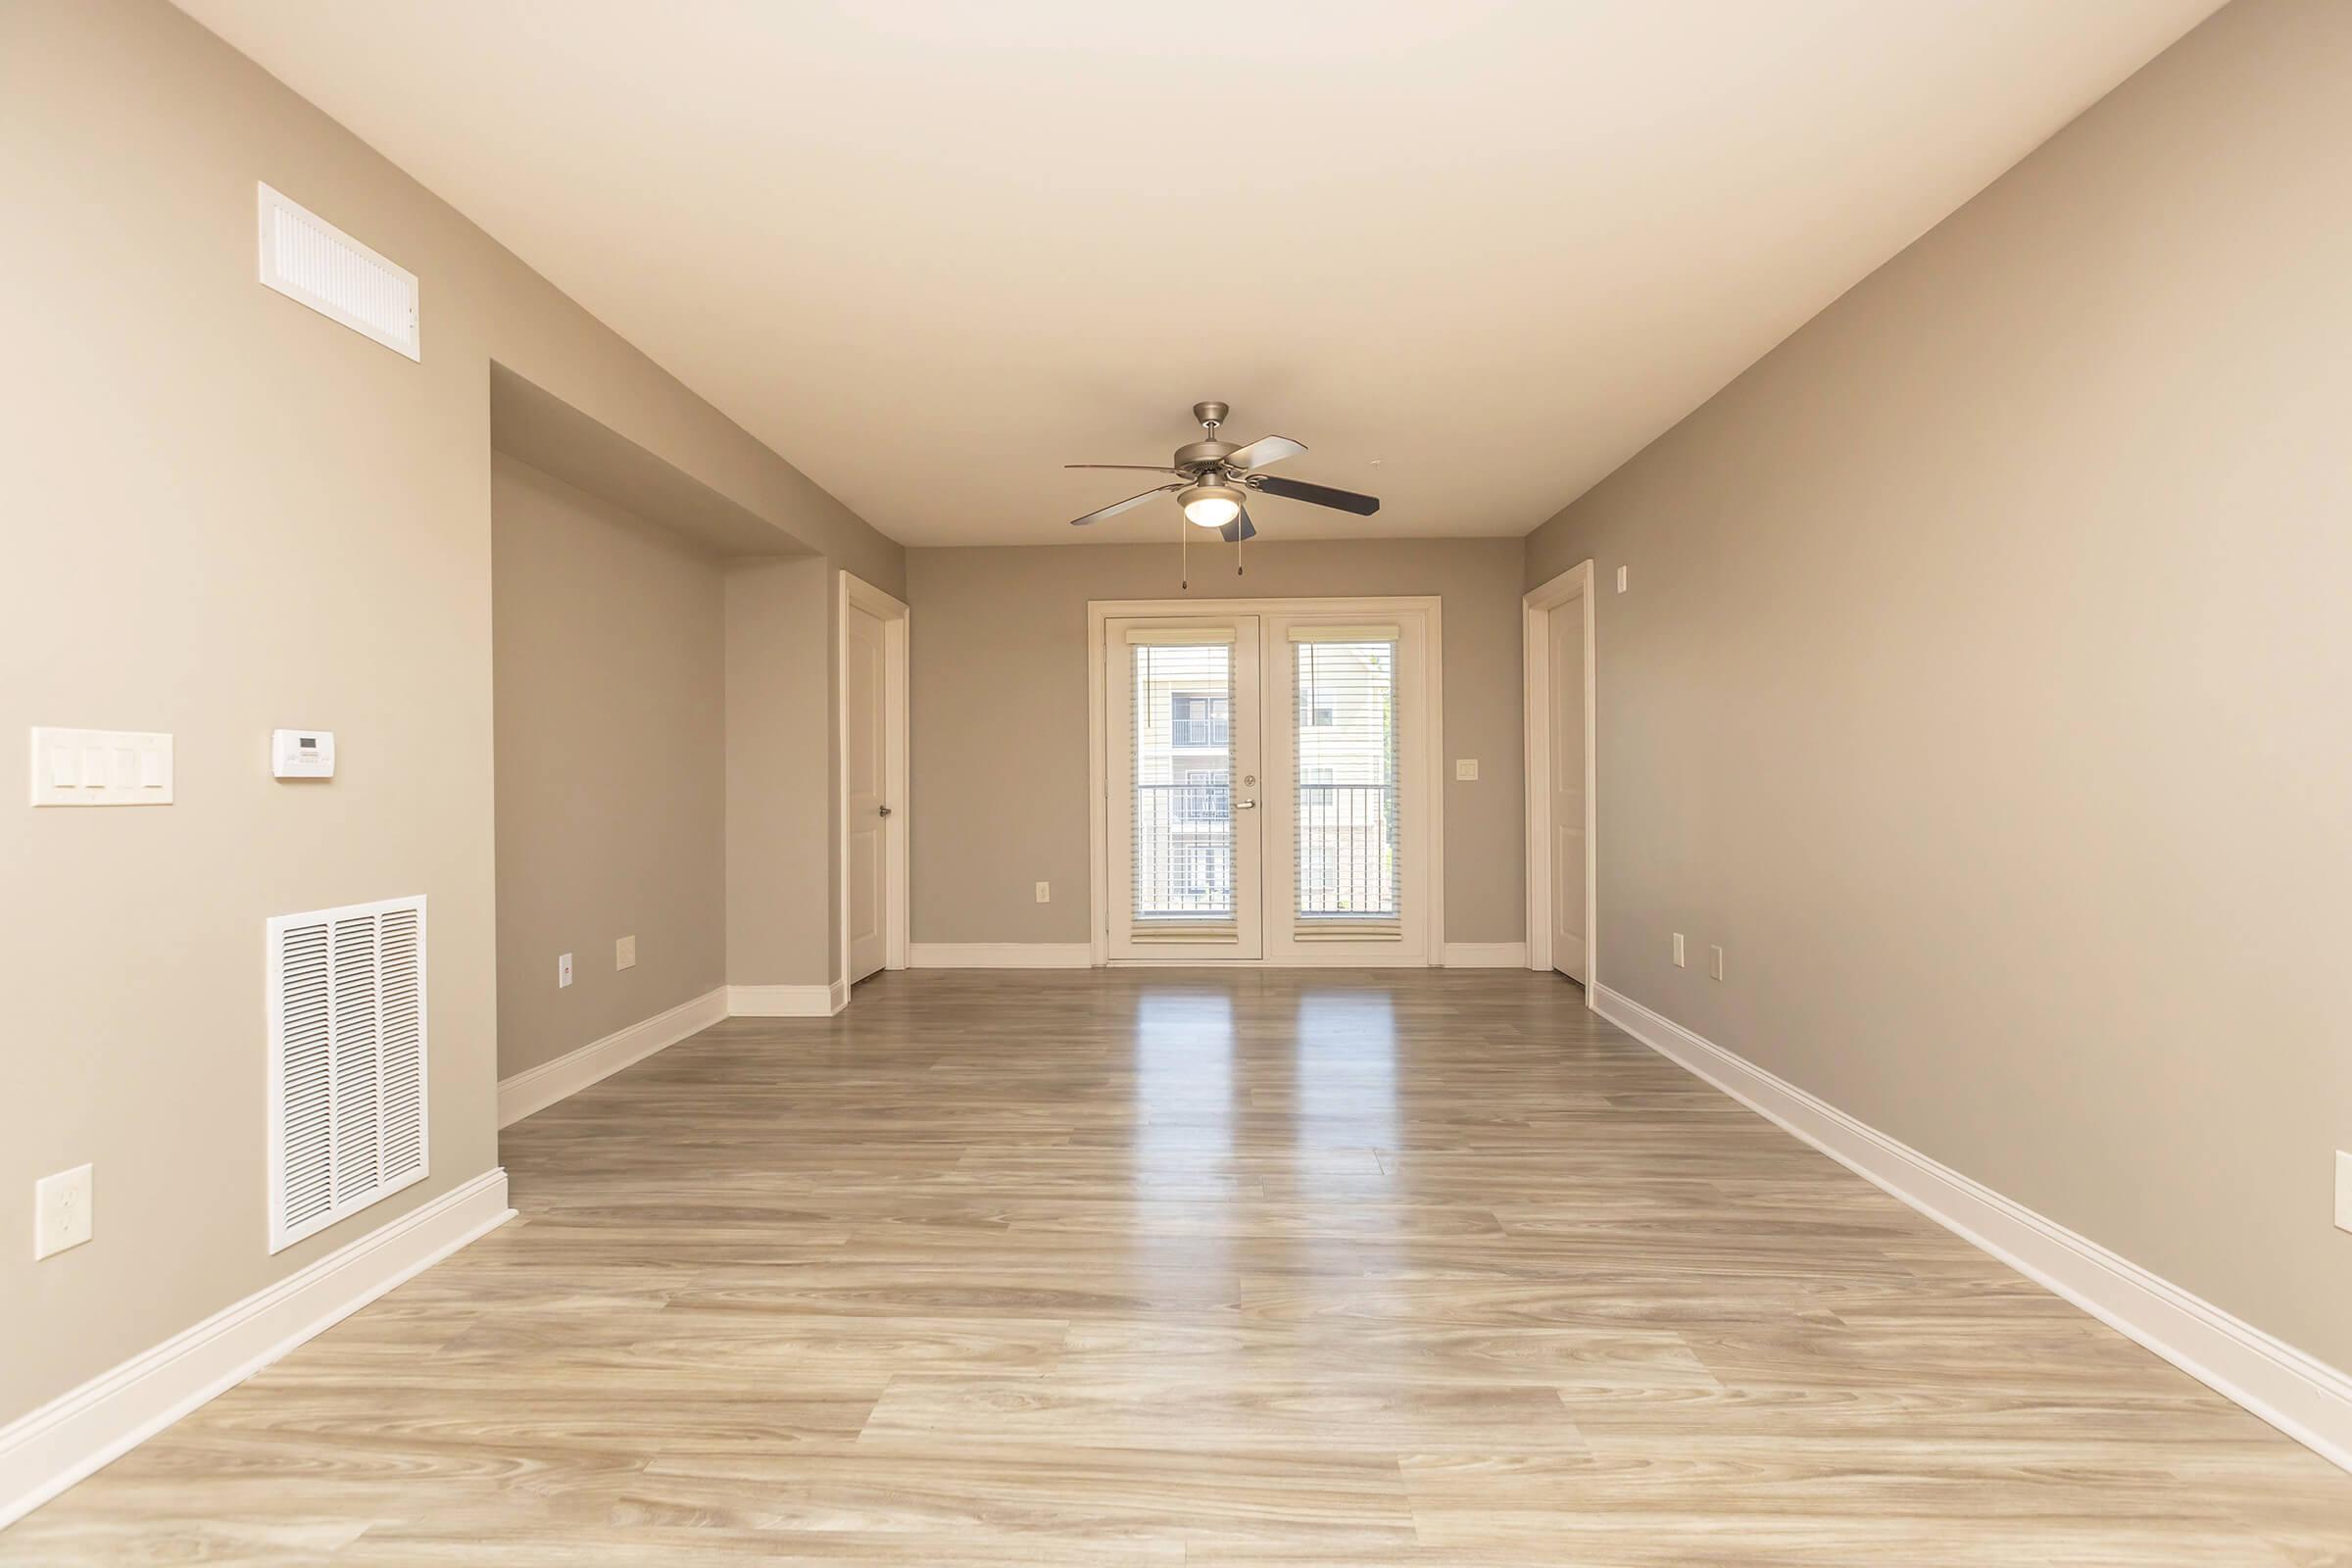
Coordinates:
(1346, 829)
(1348, 814)
(1183, 794)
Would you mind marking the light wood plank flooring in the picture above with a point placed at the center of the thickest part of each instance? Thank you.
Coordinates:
(1427, 1268)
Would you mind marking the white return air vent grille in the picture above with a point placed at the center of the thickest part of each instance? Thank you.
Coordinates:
(306, 258)
(346, 1061)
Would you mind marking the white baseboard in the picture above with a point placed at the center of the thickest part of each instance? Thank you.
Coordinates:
(787, 1002)
(2303, 1398)
(1000, 955)
(1486, 954)
(537, 1087)
(45, 1452)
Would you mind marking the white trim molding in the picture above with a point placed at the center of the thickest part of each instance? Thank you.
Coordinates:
(1486, 954)
(1000, 956)
(535, 1089)
(2303, 1398)
(787, 1002)
(47, 1451)
(1536, 616)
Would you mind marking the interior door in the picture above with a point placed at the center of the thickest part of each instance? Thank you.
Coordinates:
(1564, 636)
(867, 766)
(1184, 842)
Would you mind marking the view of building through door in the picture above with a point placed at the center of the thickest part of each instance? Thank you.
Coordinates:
(1185, 705)
(1287, 742)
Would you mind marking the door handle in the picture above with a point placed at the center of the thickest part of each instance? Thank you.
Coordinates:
(1245, 805)
(883, 811)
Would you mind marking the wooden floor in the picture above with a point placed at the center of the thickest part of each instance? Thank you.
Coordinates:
(1428, 1268)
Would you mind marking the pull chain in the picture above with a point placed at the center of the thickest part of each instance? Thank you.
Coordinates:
(1184, 540)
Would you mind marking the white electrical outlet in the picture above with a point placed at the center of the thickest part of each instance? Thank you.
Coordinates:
(1465, 770)
(624, 952)
(61, 1206)
(1045, 892)
(1621, 579)
(2343, 1189)
(1715, 963)
(1682, 960)
(564, 972)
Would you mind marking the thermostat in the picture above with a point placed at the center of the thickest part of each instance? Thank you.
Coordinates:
(303, 754)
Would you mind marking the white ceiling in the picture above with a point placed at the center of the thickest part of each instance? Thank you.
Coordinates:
(1472, 254)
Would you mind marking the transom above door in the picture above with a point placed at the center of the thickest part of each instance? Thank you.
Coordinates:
(1262, 782)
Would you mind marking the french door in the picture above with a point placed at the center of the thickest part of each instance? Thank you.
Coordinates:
(1185, 779)
(1266, 790)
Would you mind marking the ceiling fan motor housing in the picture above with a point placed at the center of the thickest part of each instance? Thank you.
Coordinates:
(1200, 454)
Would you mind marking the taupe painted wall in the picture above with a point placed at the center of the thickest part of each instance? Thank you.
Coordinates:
(610, 697)
(1984, 685)
(782, 928)
(226, 513)
(998, 693)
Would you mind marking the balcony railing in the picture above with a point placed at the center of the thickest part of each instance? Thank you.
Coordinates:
(1183, 851)
(1347, 849)
(1346, 852)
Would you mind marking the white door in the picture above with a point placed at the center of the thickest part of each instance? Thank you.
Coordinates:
(1564, 635)
(1185, 840)
(1348, 814)
(866, 767)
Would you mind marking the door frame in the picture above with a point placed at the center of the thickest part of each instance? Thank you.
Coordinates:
(1565, 605)
(850, 589)
(1097, 781)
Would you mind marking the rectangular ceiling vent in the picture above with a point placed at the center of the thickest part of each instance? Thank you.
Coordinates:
(346, 1061)
(306, 258)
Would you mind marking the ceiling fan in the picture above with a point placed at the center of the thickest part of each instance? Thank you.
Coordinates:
(1214, 480)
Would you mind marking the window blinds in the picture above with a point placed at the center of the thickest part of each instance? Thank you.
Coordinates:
(1345, 849)
(1182, 720)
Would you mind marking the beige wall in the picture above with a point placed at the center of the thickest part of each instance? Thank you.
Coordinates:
(225, 512)
(998, 694)
(1985, 682)
(609, 699)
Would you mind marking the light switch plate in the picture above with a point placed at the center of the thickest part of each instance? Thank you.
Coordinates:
(1045, 892)
(101, 767)
(1621, 579)
(1682, 958)
(62, 1216)
(2343, 1189)
(1715, 963)
(1465, 770)
(564, 972)
(624, 952)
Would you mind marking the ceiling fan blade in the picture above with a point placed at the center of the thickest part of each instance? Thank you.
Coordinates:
(1239, 530)
(1321, 495)
(1132, 468)
(1264, 450)
(1117, 506)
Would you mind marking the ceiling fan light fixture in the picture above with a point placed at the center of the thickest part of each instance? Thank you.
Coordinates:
(1210, 506)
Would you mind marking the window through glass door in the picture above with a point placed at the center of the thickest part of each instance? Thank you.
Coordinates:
(1346, 829)
(1184, 785)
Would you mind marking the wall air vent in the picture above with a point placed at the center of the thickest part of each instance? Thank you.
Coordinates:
(306, 258)
(346, 1061)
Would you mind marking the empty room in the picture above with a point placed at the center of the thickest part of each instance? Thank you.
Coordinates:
(1279, 785)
